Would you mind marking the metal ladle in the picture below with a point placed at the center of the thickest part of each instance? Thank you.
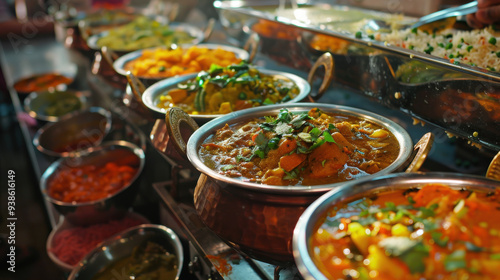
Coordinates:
(434, 21)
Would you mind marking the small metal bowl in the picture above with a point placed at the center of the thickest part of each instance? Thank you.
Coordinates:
(111, 207)
(51, 105)
(358, 189)
(197, 34)
(65, 225)
(123, 244)
(73, 133)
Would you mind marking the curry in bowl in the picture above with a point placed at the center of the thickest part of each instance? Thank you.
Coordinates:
(307, 148)
(141, 33)
(430, 232)
(164, 62)
(222, 90)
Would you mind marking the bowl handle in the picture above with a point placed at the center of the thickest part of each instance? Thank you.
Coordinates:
(137, 87)
(493, 171)
(110, 56)
(180, 126)
(420, 152)
(84, 30)
(325, 60)
(209, 29)
(251, 46)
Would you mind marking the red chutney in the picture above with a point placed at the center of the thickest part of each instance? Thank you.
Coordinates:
(41, 82)
(89, 182)
(432, 233)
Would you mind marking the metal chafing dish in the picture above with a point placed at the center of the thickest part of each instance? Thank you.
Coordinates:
(465, 106)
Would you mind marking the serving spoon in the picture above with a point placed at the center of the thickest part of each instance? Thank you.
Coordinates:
(435, 21)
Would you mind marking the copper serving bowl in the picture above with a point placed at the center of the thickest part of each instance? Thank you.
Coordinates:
(73, 133)
(111, 207)
(122, 245)
(51, 105)
(120, 64)
(259, 219)
(148, 96)
(358, 189)
(197, 35)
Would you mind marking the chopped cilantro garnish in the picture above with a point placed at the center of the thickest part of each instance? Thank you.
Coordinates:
(455, 260)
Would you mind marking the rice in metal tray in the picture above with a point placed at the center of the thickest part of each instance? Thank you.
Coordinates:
(476, 47)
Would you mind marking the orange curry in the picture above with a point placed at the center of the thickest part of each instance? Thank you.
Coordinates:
(432, 233)
(308, 148)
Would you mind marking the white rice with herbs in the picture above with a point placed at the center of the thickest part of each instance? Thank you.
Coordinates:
(477, 47)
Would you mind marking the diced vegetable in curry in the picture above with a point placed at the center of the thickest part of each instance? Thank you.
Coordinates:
(432, 233)
(308, 148)
(222, 90)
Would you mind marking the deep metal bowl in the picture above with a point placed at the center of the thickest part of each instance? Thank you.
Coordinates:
(122, 245)
(73, 133)
(152, 93)
(259, 219)
(120, 63)
(363, 188)
(197, 138)
(36, 104)
(111, 207)
(197, 34)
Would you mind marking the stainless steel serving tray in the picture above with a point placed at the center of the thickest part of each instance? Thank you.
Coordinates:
(467, 106)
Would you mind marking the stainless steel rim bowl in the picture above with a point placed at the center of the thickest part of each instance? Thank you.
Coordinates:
(73, 133)
(111, 207)
(119, 64)
(36, 102)
(192, 30)
(361, 188)
(122, 244)
(197, 138)
(150, 95)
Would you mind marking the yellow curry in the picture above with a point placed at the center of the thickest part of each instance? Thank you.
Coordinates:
(222, 90)
(430, 233)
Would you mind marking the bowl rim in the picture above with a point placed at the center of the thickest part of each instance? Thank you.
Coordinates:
(49, 118)
(119, 64)
(103, 112)
(121, 144)
(364, 187)
(196, 139)
(120, 237)
(151, 93)
(192, 30)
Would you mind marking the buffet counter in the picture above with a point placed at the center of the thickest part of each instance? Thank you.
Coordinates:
(208, 256)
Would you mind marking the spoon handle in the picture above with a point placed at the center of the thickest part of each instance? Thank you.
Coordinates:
(466, 9)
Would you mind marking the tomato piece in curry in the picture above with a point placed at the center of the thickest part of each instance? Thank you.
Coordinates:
(434, 232)
(308, 148)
